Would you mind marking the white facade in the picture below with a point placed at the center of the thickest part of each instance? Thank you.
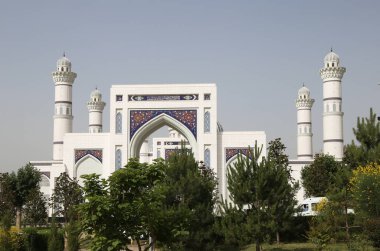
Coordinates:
(190, 111)
(136, 111)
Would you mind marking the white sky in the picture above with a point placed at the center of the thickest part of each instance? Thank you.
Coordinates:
(258, 52)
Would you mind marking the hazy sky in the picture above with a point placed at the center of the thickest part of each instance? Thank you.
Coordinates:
(257, 52)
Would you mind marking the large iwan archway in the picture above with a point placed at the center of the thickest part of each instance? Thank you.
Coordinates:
(154, 124)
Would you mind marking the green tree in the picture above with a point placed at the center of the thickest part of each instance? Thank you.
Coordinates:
(128, 204)
(319, 175)
(366, 193)
(22, 184)
(340, 201)
(55, 241)
(35, 209)
(7, 196)
(249, 190)
(190, 196)
(367, 133)
(281, 198)
(66, 197)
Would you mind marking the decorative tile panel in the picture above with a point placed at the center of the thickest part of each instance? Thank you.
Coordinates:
(170, 97)
(79, 154)
(138, 118)
(231, 152)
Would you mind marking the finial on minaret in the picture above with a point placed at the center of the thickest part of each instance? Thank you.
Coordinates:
(303, 84)
(64, 54)
(331, 49)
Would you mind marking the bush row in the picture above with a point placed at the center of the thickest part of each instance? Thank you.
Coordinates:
(27, 239)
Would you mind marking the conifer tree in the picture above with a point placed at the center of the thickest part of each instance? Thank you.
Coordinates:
(282, 201)
(367, 133)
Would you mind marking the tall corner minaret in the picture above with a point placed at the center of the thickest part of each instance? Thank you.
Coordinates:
(332, 74)
(95, 109)
(305, 135)
(63, 119)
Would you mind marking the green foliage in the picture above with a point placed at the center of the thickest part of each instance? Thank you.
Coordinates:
(35, 240)
(232, 226)
(21, 185)
(367, 133)
(264, 191)
(55, 241)
(73, 232)
(66, 196)
(7, 211)
(12, 239)
(35, 209)
(171, 202)
(372, 229)
(127, 204)
(190, 196)
(318, 177)
(366, 190)
(281, 197)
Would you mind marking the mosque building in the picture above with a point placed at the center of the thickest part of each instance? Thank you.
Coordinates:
(190, 113)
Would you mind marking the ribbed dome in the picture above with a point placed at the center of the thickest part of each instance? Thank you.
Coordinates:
(96, 93)
(332, 57)
(303, 92)
(63, 61)
(96, 96)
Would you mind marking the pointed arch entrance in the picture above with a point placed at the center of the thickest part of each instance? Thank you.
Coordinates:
(186, 126)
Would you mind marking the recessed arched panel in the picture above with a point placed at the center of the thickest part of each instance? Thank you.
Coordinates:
(154, 124)
(87, 165)
(232, 152)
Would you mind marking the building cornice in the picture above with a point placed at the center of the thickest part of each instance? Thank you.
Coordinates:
(332, 72)
(64, 76)
(304, 103)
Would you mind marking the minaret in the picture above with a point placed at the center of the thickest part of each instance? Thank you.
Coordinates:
(63, 118)
(332, 75)
(95, 109)
(304, 128)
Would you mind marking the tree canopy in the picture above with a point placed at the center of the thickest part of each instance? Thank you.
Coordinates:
(319, 175)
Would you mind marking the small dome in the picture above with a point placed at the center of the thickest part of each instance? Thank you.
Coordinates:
(96, 95)
(303, 92)
(63, 61)
(332, 57)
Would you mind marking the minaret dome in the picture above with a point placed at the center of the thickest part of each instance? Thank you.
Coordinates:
(331, 59)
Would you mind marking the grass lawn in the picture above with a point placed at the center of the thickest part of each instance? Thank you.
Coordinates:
(304, 247)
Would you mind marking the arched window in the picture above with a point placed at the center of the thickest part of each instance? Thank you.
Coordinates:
(334, 107)
(207, 122)
(305, 130)
(119, 123)
(327, 108)
(118, 159)
(207, 158)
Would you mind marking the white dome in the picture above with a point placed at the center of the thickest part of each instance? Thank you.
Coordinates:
(63, 61)
(332, 57)
(304, 92)
(96, 95)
